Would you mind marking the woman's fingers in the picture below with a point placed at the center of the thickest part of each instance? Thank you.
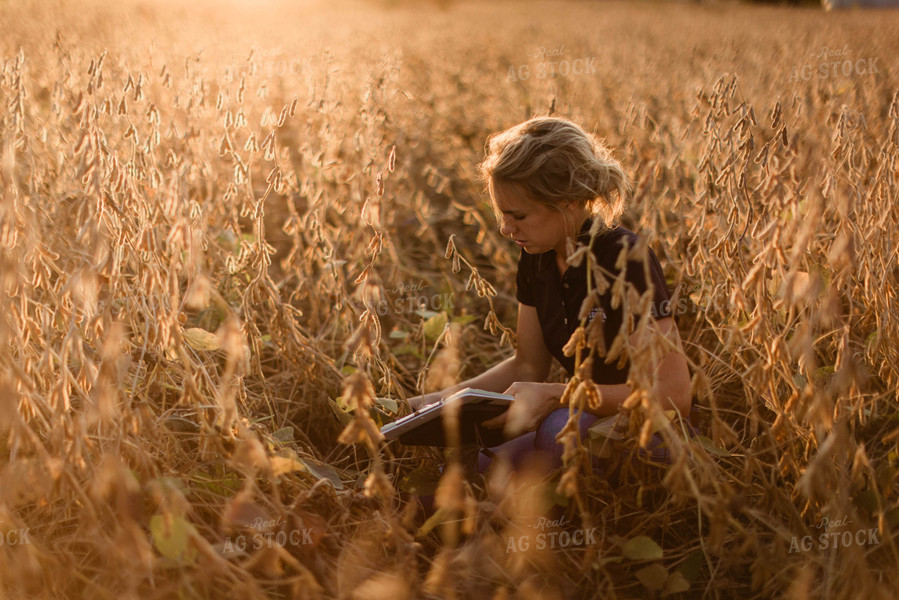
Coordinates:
(510, 391)
(496, 422)
(519, 418)
(499, 421)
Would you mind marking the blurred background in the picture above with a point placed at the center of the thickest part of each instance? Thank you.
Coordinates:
(237, 235)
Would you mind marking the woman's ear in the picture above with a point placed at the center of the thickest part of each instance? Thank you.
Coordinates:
(574, 211)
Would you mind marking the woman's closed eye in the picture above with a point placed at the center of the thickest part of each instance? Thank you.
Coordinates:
(505, 219)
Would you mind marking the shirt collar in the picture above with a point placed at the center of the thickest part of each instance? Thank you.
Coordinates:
(585, 228)
(582, 236)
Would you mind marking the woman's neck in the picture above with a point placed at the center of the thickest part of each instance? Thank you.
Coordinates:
(562, 249)
(578, 219)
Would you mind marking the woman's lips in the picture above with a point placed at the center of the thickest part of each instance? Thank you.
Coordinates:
(521, 243)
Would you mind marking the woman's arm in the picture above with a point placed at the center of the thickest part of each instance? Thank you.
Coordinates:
(531, 362)
(534, 401)
(671, 377)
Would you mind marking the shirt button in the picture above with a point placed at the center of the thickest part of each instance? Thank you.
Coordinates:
(566, 321)
(565, 285)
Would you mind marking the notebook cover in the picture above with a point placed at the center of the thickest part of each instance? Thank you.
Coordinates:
(426, 428)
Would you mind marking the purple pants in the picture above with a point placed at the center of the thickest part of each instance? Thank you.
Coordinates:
(541, 445)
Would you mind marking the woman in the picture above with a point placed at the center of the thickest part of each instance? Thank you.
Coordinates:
(552, 185)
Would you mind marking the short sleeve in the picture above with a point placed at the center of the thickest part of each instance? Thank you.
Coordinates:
(524, 280)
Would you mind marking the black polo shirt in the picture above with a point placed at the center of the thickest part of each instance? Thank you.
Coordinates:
(558, 299)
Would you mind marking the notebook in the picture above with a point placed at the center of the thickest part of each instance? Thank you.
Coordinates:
(426, 427)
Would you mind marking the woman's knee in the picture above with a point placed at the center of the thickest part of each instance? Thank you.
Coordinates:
(553, 424)
(549, 428)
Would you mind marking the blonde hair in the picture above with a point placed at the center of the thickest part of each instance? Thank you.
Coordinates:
(554, 161)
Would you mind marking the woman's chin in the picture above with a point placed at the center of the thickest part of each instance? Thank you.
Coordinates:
(530, 247)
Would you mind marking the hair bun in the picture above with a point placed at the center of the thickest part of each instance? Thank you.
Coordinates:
(555, 162)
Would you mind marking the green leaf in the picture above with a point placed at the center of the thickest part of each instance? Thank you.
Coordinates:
(388, 404)
(407, 349)
(824, 374)
(285, 434)
(424, 313)
(171, 535)
(691, 566)
(555, 497)
(464, 319)
(398, 335)
(340, 411)
(379, 416)
(653, 577)
(871, 340)
(434, 326)
(892, 518)
(825, 276)
(223, 483)
(421, 481)
(867, 500)
(641, 548)
(441, 515)
(324, 471)
(606, 560)
(710, 446)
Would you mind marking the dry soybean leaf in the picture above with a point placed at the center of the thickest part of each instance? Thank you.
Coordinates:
(676, 584)
(642, 548)
(241, 511)
(171, 537)
(284, 464)
(653, 577)
(382, 585)
(200, 339)
(605, 428)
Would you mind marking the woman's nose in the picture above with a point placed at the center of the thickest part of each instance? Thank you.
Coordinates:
(504, 227)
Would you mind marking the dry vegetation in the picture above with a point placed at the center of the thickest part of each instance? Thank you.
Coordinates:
(203, 207)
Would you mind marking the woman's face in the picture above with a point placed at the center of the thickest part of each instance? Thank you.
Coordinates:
(531, 225)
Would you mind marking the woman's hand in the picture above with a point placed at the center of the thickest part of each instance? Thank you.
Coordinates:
(533, 403)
